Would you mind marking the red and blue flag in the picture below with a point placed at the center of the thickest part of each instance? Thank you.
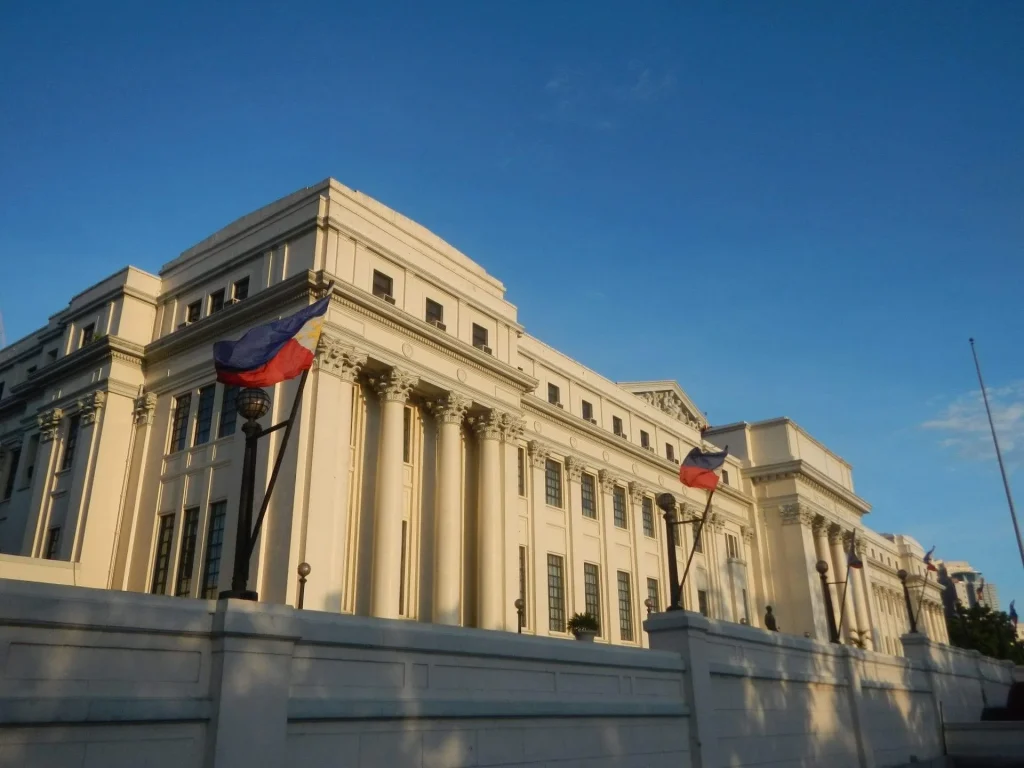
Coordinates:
(274, 352)
(928, 560)
(698, 468)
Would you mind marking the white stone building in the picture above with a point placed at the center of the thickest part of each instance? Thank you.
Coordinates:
(444, 463)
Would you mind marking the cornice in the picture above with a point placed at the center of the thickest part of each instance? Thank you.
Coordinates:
(576, 424)
(814, 478)
(65, 315)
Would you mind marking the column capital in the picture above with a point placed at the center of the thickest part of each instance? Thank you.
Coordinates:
(861, 547)
(451, 408)
(539, 454)
(512, 427)
(820, 526)
(574, 467)
(49, 424)
(394, 385)
(796, 514)
(90, 405)
(835, 535)
(145, 404)
(338, 358)
(637, 491)
(748, 533)
(487, 426)
(608, 480)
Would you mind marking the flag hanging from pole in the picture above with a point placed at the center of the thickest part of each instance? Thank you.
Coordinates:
(852, 560)
(698, 468)
(274, 352)
(928, 560)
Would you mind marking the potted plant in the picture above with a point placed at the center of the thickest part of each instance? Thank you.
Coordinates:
(584, 627)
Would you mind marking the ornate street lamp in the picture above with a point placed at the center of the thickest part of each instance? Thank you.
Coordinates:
(906, 598)
(304, 570)
(667, 503)
(520, 605)
(830, 616)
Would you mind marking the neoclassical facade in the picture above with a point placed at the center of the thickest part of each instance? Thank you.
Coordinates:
(444, 463)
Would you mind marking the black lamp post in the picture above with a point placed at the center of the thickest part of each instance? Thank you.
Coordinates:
(906, 598)
(649, 604)
(519, 613)
(253, 404)
(830, 616)
(304, 571)
(667, 503)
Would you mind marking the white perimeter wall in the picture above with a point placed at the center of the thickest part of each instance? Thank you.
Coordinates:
(97, 678)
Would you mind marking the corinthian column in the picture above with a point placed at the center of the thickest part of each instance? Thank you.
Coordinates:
(860, 602)
(490, 611)
(448, 510)
(840, 572)
(393, 388)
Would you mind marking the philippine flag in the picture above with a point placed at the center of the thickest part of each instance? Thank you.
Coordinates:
(698, 468)
(273, 352)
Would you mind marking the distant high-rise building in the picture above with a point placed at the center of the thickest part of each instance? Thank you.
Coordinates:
(965, 582)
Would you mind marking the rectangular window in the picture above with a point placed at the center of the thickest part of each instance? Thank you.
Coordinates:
(554, 396)
(33, 450)
(204, 417)
(216, 301)
(407, 435)
(382, 285)
(162, 561)
(732, 546)
(179, 428)
(522, 584)
(725, 476)
(588, 486)
(52, 355)
(698, 542)
(479, 336)
(702, 602)
(72, 441)
(187, 553)
(1, 389)
(645, 439)
(521, 467)
(214, 548)
(556, 594)
(617, 426)
(402, 568)
(88, 334)
(228, 414)
(647, 505)
(670, 452)
(240, 289)
(435, 312)
(588, 411)
(12, 472)
(625, 607)
(619, 507)
(653, 595)
(553, 483)
(52, 544)
(193, 311)
(592, 592)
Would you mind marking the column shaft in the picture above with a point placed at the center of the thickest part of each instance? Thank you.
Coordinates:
(448, 511)
(845, 612)
(490, 524)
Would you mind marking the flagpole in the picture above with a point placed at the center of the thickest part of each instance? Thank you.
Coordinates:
(696, 538)
(842, 608)
(999, 454)
(920, 600)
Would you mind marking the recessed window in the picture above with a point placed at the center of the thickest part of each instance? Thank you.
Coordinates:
(556, 594)
(647, 507)
(214, 547)
(162, 561)
(88, 334)
(702, 603)
(240, 289)
(625, 607)
(216, 301)
(12, 471)
(698, 542)
(670, 452)
(193, 311)
(645, 439)
(521, 467)
(189, 532)
(725, 476)
(228, 413)
(204, 416)
(383, 285)
(435, 313)
(179, 428)
(1, 389)
(51, 356)
(31, 369)
(619, 507)
(732, 546)
(588, 488)
(522, 584)
(479, 336)
(617, 426)
(52, 551)
(653, 594)
(553, 483)
(554, 396)
(402, 567)
(592, 592)
(72, 441)
(588, 411)
(407, 435)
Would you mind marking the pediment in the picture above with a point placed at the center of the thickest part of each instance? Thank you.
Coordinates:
(669, 397)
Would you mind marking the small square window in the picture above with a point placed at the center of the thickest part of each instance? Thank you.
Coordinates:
(435, 312)
(725, 476)
(240, 289)
(216, 301)
(554, 396)
(193, 311)
(52, 355)
(670, 452)
(479, 336)
(383, 285)
(588, 411)
(88, 334)
(645, 439)
(617, 426)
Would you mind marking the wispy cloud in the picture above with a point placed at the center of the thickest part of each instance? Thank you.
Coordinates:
(963, 426)
(648, 84)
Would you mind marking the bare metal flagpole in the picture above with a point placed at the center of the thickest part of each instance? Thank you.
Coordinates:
(999, 454)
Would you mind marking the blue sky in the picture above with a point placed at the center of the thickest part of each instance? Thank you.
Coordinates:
(798, 209)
